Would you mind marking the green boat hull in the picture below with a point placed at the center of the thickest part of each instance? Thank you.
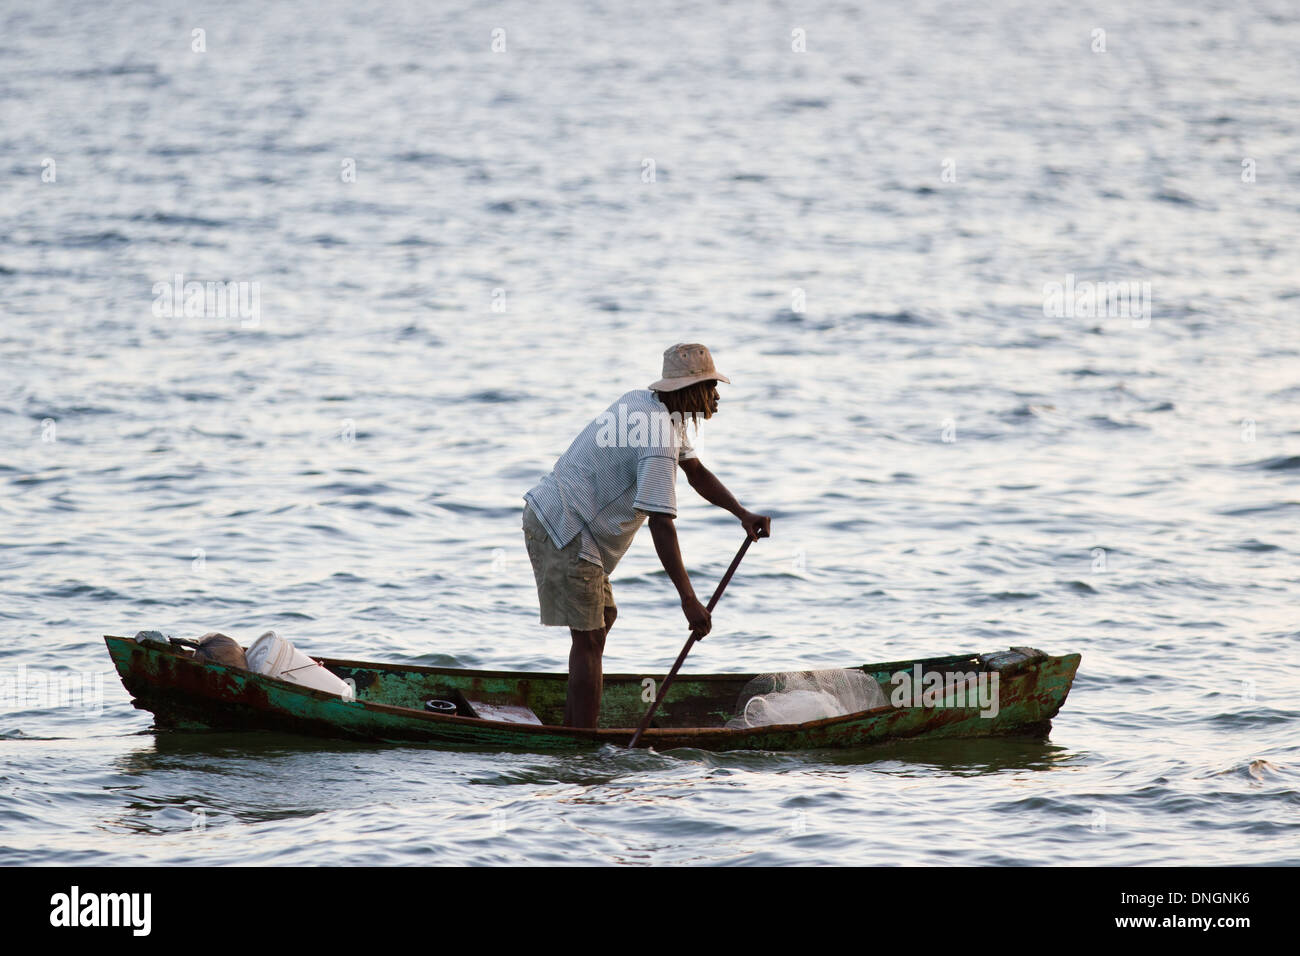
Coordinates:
(186, 694)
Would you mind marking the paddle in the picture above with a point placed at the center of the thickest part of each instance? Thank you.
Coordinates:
(695, 636)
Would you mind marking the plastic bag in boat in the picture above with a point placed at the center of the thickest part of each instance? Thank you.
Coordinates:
(220, 649)
(274, 656)
(796, 698)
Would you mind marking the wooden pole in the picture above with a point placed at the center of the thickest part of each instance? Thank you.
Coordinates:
(690, 641)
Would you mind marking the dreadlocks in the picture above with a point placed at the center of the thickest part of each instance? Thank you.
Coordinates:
(693, 400)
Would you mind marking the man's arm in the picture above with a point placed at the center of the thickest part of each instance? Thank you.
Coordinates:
(664, 532)
(713, 491)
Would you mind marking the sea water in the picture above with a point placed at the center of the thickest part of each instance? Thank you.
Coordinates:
(423, 266)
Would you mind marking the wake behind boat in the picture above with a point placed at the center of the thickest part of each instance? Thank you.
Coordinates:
(525, 710)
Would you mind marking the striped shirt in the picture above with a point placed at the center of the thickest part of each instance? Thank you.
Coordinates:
(622, 466)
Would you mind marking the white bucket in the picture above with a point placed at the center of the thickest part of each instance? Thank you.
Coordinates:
(273, 656)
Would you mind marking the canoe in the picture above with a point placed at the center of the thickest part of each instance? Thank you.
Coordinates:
(186, 694)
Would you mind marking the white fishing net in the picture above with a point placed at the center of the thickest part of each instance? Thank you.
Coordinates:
(798, 697)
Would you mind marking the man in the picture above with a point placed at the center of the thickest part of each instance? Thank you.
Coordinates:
(579, 520)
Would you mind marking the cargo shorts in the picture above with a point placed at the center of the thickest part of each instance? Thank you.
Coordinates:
(571, 591)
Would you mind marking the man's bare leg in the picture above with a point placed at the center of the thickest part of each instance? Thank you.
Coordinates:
(586, 674)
